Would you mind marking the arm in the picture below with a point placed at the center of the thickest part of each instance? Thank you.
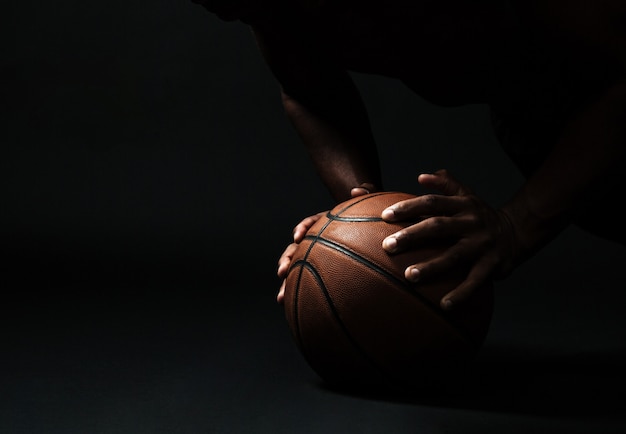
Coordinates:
(579, 178)
(581, 181)
(324, 106)
(584, 167)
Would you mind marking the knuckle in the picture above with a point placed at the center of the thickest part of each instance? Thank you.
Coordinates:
(436, 225)
(443, 172)
(454, 258)
(401, 236)
(474, 220)
(400, 207)
(431, 200)
(469, 201)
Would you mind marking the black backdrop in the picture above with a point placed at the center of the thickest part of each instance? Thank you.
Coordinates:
(156, 130)
(149, 181)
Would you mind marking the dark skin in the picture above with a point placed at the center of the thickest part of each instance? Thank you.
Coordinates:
(552, 71)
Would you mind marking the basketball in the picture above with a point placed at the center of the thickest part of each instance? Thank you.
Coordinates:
(355, 318)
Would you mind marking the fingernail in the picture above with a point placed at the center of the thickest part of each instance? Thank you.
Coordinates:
(390, 244)
(446, 304)
(414, 274)
(388, 214)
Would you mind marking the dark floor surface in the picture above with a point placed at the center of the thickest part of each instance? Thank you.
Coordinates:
(143, 347)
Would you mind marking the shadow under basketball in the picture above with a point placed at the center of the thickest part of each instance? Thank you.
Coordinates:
(510, 380)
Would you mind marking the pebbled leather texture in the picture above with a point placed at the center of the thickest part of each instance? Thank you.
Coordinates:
(355, 318)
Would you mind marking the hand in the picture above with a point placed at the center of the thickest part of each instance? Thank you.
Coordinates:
(284, 262)
(482, 238)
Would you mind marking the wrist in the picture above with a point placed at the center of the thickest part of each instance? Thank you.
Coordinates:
(531, 228)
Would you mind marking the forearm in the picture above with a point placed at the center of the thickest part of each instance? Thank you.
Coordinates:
(582, 170)
(323, 104)
(337, 136)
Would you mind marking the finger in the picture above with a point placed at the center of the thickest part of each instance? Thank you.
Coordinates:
(432, 228)
(280, 297)
(284, 262)
(303, 227)
(450, 259)
(477, 278)
(433, 267)
(358, 191)
(363, 189)
(442, 180)
(424, 206)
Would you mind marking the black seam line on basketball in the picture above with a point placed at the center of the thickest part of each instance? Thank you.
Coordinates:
(434, 308)
(329, 215)
(354, 219)
(296, 296)
(343, 327)
(335, 217)
(319, 233)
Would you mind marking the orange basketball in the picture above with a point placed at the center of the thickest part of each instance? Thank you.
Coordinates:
(358, 321)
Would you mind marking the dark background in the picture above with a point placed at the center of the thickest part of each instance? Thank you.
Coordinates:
(149, 182)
